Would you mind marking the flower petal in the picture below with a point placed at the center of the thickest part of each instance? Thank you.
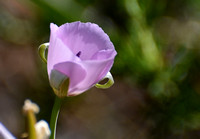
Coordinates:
(58, 52)
(76, 74)
(95, 72)
(87, 38)
(104, 55)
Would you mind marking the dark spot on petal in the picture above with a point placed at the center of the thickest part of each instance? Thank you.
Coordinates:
(78, 54)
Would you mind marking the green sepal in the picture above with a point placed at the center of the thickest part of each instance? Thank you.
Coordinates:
(63, 89)
(108, 84)
(43, 48)
(60, 83)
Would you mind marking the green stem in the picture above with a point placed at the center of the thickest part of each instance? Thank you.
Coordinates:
(54, 116)
(31, 120)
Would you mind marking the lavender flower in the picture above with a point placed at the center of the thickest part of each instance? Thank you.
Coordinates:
(80, 55)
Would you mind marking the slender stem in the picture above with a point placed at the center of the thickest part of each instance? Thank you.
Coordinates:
(31, 120)
(54, 116)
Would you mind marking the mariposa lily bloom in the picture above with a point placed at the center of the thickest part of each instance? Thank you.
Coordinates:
(80, 55)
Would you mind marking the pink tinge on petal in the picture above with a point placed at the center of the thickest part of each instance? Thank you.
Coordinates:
(86, 38)
(74, 71)
(96, 71)
(103, 55)
(58, 52)
(97, 68)
(53, 27)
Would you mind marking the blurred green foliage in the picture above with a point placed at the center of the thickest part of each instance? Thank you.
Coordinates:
(158, 49)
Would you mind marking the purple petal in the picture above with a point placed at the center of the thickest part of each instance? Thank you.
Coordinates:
(96, 71)
(58, 52)
(86, 38)
(75, 73)
(103, 55)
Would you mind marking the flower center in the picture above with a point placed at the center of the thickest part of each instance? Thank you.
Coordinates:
(78, 54)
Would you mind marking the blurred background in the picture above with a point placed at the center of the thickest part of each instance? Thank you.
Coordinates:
(156, 94)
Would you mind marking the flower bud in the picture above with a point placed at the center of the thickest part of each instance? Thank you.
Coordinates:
(42, 130)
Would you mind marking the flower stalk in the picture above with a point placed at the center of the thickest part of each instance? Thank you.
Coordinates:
(31, 121)
(54, 116)
(30, 109)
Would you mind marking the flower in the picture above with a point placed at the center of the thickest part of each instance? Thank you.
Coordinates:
(80, 55)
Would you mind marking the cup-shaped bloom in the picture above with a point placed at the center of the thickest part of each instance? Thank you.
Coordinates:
(82, 52)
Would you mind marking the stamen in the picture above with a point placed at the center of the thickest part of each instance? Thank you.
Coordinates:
(78, 54)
